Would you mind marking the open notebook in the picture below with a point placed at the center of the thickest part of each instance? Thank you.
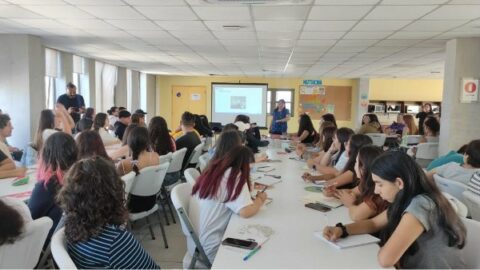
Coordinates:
(350, 241)
(320, 198)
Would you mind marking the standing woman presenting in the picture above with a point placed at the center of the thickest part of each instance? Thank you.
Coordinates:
(281, 115)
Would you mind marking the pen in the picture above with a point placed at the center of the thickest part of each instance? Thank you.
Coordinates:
(255, 250)
(265, 188)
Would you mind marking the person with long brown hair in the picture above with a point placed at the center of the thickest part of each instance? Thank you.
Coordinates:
(52, 121)
(221, 190)
(89, 143)
(100, 125)
(420, 229)
(160, 139)
(412, 128)
(93, 200)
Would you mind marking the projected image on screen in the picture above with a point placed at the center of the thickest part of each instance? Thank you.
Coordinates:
(229, 100)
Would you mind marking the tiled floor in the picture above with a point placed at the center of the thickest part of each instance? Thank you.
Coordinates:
(170, 258)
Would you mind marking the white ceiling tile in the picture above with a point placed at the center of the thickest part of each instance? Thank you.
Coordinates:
(96, 2)
(234, 35)
(155, 2)
(327, 26)
(399, 12)
(222, 13)
(66, 32)
(397, 42)
(218, 25)
(149, 33)
(11, 24)
(168, 13)
(366, 35)
(413, 35)
(87, 23)
(238, 42)
(341, 13)
(41, 23)
(455, 12)
(278, 26)
(357, 42)
(134, 24)
(434, 26)
(321, 35)
(315, 42)
(464, 2)
(413, 2)
(285, 43)
(109, 33)
(277, 35)
(192, 34)
(113, 12)
(457, 34)
(348, 49)
(346, 2)
(274, 13)
(59, 11)
(10, 11)
(37, 2)
(379, 26)
(182, 25)
(201, 42)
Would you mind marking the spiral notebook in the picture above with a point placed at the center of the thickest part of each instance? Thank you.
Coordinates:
(350, 241)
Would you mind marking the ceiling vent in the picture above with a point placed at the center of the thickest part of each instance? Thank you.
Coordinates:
(258, 2)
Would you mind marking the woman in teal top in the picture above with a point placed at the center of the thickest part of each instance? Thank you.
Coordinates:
(281, 115)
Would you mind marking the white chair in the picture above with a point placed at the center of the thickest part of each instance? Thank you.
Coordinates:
(59, 251)
(174, 171)
(473, 204)
(412, 139)
(426, 152)
(460, 208)
(451, 187)
(472, 245)
(166, 158)
(148, 183)
(128, 180)
(188, 213)
(25, 252)
(177, 160)
(378, 139)
(193, 159)
(191, 174)
(203, 161)
(208, 143)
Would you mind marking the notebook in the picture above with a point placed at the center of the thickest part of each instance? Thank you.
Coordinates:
(350, 241)
(320, 198)
(265, 169)
(268, 181)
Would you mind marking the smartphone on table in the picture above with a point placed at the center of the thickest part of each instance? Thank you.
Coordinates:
(240, 243)
(318, 206)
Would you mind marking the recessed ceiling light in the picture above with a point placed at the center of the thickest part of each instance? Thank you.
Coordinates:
(232, 27)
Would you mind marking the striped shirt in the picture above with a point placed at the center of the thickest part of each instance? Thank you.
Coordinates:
(474, 184)
(114, 248)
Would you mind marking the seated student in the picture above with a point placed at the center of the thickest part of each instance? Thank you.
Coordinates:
(328, 117)
(201, 128)
(420, 229)
(221, 190)
(396, 128)
(124, 119)
(325, 141)
(6, 129)
(90, 144)
(346, 177)
(410, 124)
(361, 201)
(86, 122)
(370, 124)
(112, 117)
(306, 132)
(141, 158)
(160, 140)
(100, 125)
(431, 129)
(8, 168)
(189, 139)
(56, 157)
(474, 184)
(95, 216)
(335, 159)
(461, 173)
(138, 119)
(253, 142)
(51, 122)
(451, 156)
(7, 164)
(14, 215)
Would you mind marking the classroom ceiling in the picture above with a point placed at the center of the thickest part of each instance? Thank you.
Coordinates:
(322, 38)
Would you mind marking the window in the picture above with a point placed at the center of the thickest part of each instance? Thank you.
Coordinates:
(52, 71)
(106, 82)
(81, 79)
(143, 91)
(274, 94)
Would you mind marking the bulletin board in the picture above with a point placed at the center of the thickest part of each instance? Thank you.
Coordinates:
(328, 99)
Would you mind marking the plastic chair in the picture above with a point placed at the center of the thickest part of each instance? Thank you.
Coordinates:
(472, 244)
(378, 139)
(166, 158)
(460, 208)
(59, 251)
(451, 187)
(473, 204)
(426, 153)
(203, 161)
(188, 213)
(25, 252)
(193, 159)
(128, 180)
(191, 174)
(412, 139)
(208, 143)
(148, 183)
(177, 160)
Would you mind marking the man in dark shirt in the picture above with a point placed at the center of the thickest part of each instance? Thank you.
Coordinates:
(189, 139)
(73, 102)
(122, 123)
(426, 111)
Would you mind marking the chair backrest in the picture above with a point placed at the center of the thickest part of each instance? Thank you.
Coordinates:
(460, 208)
(188, 213)
(451, 187)
(150, 180)
(59, 251)
(472, 201)
(197, 151)
(203, 161)
(472, 244)
(177, 160)
(166, 158)
(427, 151)
(191, 174)
(378, 139)
(128, 179)
(25, 252)
(413, 139)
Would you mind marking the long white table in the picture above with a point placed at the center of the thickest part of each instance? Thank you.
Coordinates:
(293, 244)
(21, 192)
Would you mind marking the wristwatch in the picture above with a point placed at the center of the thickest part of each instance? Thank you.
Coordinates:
(344, 229)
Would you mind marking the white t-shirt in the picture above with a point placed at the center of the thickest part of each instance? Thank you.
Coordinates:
(454, 171)
(342, 161)
(47, 133)
(5, 150)
(112, 119)
(214, 215)
(107, 138)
